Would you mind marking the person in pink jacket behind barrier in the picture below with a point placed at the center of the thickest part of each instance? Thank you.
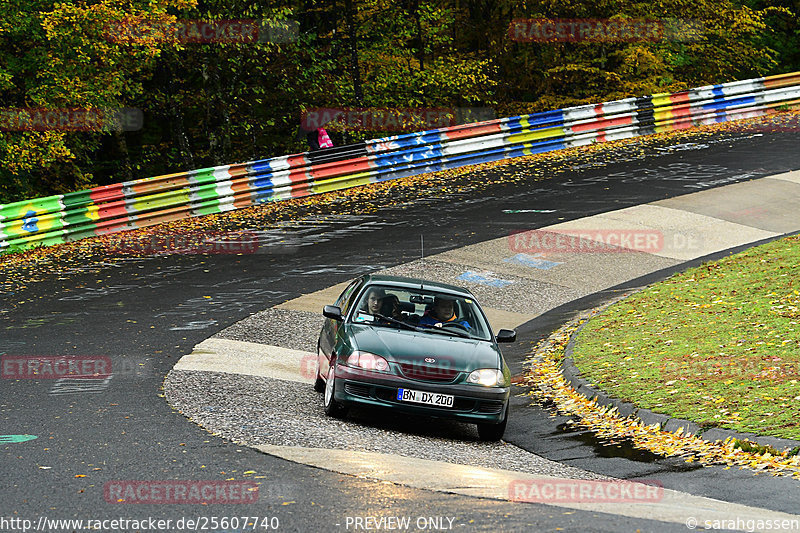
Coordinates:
(323, 140)
(317, 138)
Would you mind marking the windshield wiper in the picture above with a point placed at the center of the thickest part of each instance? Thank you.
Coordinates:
(448, 331)
(445, 331)
(398, 322)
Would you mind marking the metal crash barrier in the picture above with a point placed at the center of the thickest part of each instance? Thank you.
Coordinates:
(148, 201)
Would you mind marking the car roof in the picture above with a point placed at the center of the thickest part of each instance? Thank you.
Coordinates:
(415, 283)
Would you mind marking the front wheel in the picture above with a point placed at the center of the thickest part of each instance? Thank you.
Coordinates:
(332, 407)
(493, 432)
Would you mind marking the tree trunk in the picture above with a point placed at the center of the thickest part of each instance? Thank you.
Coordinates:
(354, 70)
(125, 168)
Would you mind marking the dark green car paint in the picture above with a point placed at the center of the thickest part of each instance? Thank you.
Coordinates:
(424, 351)
(466, 355)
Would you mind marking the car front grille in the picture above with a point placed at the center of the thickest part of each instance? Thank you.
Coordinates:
(357, 389)
(490, 408)
(428, 373)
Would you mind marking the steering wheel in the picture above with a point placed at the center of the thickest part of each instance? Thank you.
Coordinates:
(455, 324)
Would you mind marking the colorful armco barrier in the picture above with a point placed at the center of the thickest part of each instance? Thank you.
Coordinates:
(148, 201)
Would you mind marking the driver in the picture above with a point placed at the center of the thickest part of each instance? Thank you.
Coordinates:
(443, 311)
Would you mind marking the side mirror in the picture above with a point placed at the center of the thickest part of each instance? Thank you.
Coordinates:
(331, 311)
(506, 335)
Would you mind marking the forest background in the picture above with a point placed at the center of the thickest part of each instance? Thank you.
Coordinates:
(201, 103)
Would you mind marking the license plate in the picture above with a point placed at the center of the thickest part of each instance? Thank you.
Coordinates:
(428, 398)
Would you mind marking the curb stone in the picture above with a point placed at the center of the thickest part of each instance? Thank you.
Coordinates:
(587, 389)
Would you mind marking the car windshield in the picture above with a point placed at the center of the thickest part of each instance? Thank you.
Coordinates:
(421, 310)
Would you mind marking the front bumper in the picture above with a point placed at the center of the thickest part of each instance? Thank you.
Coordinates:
(472, 403)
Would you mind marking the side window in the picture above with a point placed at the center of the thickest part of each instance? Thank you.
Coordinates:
(346, 298)
(351, 299)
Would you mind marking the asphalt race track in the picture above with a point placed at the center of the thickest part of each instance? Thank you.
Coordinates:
(145, 313)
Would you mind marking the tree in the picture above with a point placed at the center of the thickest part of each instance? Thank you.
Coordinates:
(227, 101)
(61, 56)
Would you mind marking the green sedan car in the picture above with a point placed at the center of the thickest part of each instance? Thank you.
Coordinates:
(417, 347)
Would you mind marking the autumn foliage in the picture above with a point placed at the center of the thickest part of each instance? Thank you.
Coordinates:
(211, 103)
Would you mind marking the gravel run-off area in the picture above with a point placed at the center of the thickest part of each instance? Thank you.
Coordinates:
(253, 410)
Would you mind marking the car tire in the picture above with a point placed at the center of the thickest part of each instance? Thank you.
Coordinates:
(319, 383)
(332, 407)
(493, 432)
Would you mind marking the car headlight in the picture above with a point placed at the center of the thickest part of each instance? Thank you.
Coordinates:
(489, 377)
(368, 361)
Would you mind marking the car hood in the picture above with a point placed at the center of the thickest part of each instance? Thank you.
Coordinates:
(405, 346)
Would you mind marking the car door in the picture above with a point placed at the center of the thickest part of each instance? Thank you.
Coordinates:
(331, 328)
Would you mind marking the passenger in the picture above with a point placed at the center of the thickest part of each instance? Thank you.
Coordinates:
(390, 307)
(373, 300)
(443, 311)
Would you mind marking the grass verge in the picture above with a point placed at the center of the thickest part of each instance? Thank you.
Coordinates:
(718, 344)
(547, 385)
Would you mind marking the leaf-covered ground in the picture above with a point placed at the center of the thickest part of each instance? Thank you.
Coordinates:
(547, 385)
(718, 344)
